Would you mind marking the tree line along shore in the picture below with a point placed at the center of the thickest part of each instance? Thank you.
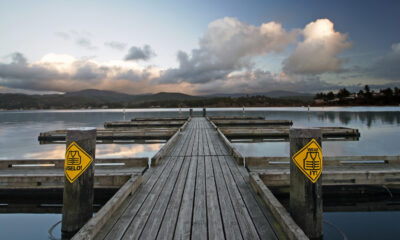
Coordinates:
(103, 99)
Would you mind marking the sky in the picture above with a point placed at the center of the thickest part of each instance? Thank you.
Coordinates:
(198, 47)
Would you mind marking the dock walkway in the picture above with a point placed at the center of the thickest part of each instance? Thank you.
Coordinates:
(197, 192)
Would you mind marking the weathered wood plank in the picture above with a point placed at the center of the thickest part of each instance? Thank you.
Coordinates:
(206, 144)
(141, 196)
(191, 143)
(199, 225)
(184, 224)
(137, 224)
(210, 144)
(170, 219)
(215, 227)
(231, 225)
(153, 223)
(245, 222)
(202, 142)
(260, 220)
(195, 150)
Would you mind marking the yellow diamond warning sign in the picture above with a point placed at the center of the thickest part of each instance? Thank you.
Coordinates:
(76, 161)
(309, 160)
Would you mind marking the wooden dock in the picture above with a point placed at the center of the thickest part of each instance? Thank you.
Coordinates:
(146, 124)
(111, 135)
(283, 132)
(198, 191)
(342, 170)
(199, 185)
(251, 122)
(49, 173)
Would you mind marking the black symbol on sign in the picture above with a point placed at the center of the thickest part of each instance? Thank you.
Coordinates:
(73, 158)
(312, 162)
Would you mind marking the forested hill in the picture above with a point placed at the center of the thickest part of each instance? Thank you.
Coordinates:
(91, 98)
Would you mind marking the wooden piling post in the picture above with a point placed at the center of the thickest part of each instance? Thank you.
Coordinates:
(79, 179)
(306, 196)
(204, 112)
(191, 112)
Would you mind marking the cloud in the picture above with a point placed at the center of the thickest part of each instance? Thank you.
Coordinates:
(80, 38)
(63, 35)
(62, 73)
(259, 81)
(137, 53)
(228, 45)
(222, 62)
(116, 45)
(318, 52)
(85, 43)
(387, 66)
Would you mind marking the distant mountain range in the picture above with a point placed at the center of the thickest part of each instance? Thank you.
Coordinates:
(100, 98)
(112, 97)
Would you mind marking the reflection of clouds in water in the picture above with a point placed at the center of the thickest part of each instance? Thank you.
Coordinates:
(263, 149)
(56, 153)
(134, 150)
(103, 151)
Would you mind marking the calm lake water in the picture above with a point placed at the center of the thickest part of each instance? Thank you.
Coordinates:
(379, 128)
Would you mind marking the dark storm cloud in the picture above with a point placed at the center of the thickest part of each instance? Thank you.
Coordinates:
(116, 45)
(199, 68)
(133, 75)
(18, 74)
(137, 53)
(87, 71)
(259, 81)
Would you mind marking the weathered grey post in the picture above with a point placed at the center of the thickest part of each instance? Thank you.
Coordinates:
(78, 195)
(305, 196)
(204, 112)
(191, 112)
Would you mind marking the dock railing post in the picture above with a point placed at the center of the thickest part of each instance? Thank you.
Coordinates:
(79, 180)
(305, 181)
(191, 112)
(204, 112)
